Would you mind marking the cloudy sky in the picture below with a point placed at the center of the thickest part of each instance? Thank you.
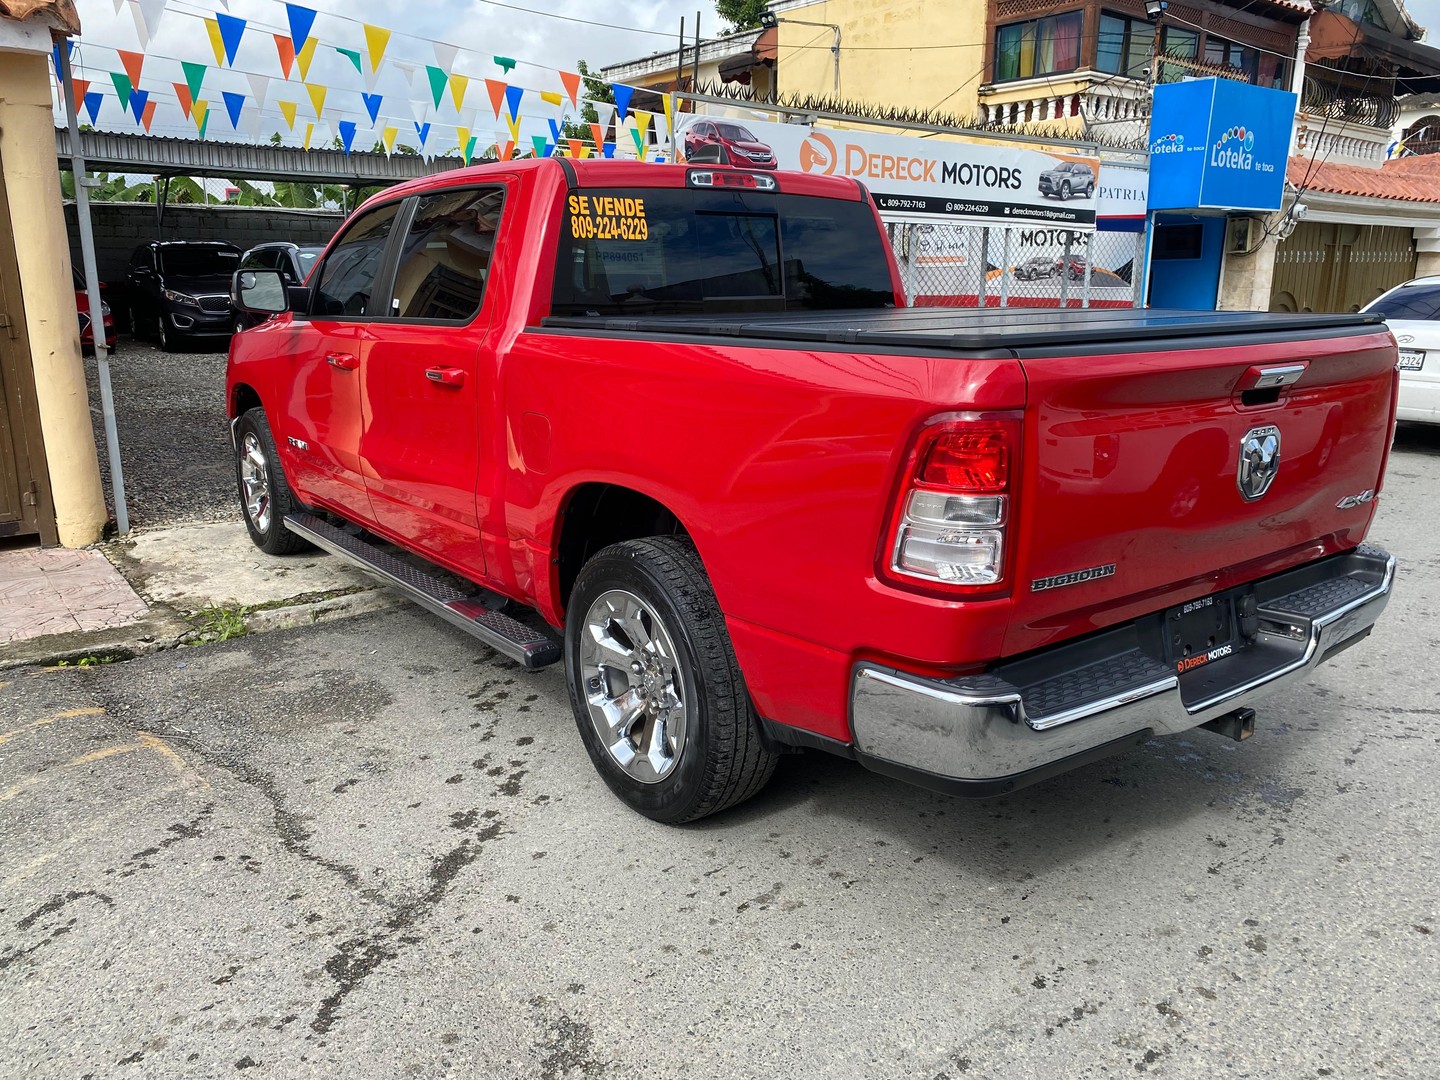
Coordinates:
(543, 36)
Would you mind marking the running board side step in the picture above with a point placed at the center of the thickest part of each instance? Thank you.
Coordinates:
(468, 611)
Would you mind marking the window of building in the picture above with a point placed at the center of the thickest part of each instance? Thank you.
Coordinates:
(1045, 46)
(1124, 45)
(348, 276)
(446, 254)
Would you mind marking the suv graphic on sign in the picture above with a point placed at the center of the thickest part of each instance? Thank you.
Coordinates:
(1066, 179)
(737, 146)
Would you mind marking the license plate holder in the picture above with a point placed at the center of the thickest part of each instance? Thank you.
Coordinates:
(1412, 359)
(1199, 632)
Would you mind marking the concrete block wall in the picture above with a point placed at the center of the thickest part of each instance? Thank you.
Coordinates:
(119, 228)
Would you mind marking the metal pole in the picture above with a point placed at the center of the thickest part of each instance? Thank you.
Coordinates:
(1005, 272)
(836, 50)
(679, 65)
(695, 79)
(83, 183)
(984, 263)
(1065, 272)
(1089, 253)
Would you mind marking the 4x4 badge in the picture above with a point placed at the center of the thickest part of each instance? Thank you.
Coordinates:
(1259, 461)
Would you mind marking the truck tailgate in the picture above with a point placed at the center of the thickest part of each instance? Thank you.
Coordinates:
(1132, 494)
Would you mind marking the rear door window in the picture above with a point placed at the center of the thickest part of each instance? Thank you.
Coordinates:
(346, 281)
(658, 251)
(1414, 302)
(440, 272)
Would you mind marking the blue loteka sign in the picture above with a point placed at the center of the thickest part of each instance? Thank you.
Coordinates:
(1218, 143)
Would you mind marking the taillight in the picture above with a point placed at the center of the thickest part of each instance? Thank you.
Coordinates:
(955, 503)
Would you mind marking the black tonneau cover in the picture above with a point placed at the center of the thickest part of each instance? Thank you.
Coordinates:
(1009, 329)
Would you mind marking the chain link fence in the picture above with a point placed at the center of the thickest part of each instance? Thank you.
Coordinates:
(1016, 266)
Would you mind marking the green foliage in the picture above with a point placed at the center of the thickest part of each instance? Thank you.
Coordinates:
(741, 14)
(109, 189)
(216, 623)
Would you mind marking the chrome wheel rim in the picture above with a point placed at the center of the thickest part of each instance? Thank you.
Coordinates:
(255, 482)
(635, 687)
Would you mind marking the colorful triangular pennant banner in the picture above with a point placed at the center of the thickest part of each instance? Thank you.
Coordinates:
(233, 104)
(194, 77)
(372, 105)
(302, 19)
(286, 48)
(622, 94)
(288, 110)
(317, 98)
(231, 31)
(122, 88)
(571, 81)
(458, 85)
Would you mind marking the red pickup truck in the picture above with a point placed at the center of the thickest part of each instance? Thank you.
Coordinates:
(760, 506)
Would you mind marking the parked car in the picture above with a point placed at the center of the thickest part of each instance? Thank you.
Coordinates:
(971, 549)
(736, 143)
(1066, 179)
(1042, 266)
(82, 309)
(180, 289)
(1412, 310)
(294, 261)
(1071, 265)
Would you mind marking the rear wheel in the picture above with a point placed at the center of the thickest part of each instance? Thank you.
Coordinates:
(654, 684)
(265, 496)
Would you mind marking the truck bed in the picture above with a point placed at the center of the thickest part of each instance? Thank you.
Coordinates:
(1011, 331)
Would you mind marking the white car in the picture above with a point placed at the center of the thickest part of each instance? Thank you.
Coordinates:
(1412, 311)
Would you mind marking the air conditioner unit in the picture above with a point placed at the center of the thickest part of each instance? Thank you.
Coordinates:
(1242, 234)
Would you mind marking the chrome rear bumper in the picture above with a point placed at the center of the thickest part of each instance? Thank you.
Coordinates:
(1029, 719)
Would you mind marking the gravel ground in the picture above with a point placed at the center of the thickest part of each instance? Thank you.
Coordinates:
(174, 441)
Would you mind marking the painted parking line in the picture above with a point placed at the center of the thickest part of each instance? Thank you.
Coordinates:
(83, 759)
(68, 714)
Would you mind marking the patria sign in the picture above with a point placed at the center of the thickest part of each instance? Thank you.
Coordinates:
(1219, 143)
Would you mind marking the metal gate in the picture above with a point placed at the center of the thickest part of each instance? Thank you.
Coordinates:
(1016, 266)
(25, 507)
(1330, 266)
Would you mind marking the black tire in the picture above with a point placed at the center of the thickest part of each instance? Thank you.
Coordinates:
(720, 760)
(264, 515)
(1065, 191)
(166, 338)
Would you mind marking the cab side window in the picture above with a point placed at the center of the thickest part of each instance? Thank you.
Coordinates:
(445, 255)
(343, 285)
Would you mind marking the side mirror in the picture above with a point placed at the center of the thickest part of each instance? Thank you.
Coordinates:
(260, 292)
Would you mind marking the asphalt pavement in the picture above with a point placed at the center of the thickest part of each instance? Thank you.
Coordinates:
(371, 848)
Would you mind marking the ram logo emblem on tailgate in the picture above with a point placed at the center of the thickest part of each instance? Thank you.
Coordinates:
(1259, 460)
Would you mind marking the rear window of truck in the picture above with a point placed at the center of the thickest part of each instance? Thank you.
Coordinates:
(663, 251)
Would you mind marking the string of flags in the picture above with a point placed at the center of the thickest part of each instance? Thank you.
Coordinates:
(441, 99)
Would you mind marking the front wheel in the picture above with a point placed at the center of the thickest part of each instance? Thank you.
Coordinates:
(1065, 191)
(164, 336)
(655, 686)
(265, 496)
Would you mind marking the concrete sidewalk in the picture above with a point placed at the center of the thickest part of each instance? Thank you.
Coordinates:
(165, 587)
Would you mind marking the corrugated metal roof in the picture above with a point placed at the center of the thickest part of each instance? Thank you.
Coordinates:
(160, 156)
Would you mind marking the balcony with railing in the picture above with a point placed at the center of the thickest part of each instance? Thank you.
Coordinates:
(1345, 124)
